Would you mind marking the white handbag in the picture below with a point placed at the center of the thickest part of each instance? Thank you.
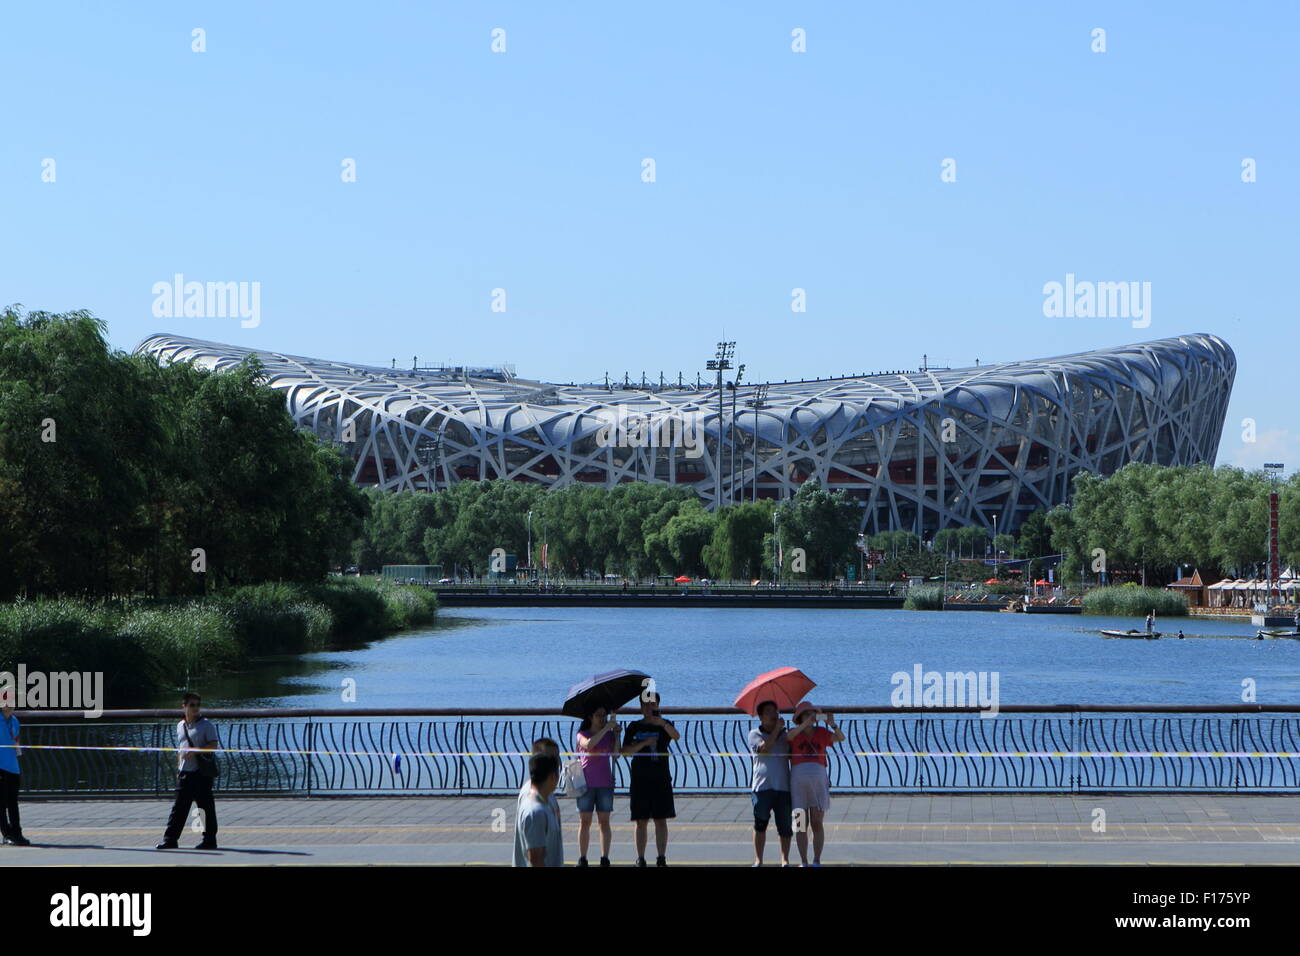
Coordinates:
(574, 780)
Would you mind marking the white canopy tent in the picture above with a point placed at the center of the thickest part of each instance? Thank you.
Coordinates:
(1247, 593)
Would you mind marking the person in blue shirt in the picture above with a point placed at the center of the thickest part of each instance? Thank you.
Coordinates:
(9, 778)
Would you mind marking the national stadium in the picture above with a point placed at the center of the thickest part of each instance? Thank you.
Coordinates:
(917, 450)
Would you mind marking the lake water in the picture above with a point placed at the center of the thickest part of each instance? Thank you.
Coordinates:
(529, 657)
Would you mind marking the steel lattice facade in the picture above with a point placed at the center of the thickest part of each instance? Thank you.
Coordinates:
(918, 450)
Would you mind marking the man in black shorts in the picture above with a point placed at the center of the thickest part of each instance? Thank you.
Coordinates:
(651, 793)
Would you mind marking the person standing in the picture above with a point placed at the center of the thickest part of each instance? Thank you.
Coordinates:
(597, 742)
(10, 777)
(545, 745)
(196, 739)
(1151, 621)
(771, 787)
(810, 788)
(537, 831)
(651, 790)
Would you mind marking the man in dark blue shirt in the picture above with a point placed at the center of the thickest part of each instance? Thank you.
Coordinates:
(651, 792)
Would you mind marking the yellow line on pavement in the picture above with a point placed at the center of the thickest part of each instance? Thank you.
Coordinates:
(497, 864)
(678, 827)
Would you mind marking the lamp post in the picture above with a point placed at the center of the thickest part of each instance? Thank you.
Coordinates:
(759, 401)
(995, 544)
(943, 595)
(731, 468)
(720, 363)
(776, 559)
(530, 539)
(429, 454)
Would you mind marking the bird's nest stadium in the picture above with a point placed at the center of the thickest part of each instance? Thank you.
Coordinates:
(920, 450)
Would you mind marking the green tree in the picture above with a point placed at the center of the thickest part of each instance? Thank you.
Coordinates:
(1035, 536)
(824, 524)
(736, 550)
(115, 471)
(948, 542)
(680, 545)
(895, 543)
(972, 541)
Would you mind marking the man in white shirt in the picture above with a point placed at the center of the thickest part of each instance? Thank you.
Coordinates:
(195, 736)
(537, 831)
(545, 745)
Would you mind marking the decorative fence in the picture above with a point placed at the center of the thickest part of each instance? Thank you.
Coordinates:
(444, 752)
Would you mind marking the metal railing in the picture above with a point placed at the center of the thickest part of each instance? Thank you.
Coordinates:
(1050, 749)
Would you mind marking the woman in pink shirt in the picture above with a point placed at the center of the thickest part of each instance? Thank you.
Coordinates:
(810, 789)
(597, 742)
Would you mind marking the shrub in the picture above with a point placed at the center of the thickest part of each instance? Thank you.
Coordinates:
(276, 618)
(406, 606)
(66, 635)
(1130, 600)
(924, 599)
(357, 609)
(183, 643)
(143, 648)
(45, 635)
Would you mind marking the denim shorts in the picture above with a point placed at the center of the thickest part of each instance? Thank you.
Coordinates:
(600, 799)
(768, 802)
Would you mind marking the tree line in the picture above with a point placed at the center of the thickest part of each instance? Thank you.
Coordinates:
(1155, 519)
(1144, 520)
(635, 529)
(120, 475)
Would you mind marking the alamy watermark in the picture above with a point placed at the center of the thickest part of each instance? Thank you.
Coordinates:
(655, 429)
(56, 690)
(77, 909)
(922, 688)
(208, 300)
(1098, 300)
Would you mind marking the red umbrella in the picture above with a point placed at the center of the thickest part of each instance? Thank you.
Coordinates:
(682, 580)
(1042, 584)
(785, 685)
(992, 581)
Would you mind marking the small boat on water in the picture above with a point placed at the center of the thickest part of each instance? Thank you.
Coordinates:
(1293, 635)
(1133, 635)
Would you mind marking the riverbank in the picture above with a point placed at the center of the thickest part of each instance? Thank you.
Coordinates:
(1108, 601)
(146, 647)
(694, 596)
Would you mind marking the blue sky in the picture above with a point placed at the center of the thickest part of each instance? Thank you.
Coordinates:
(774, 170)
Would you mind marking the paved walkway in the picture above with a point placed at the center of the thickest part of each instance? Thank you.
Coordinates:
(884, 828)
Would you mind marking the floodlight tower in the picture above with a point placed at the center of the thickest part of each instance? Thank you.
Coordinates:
(720, 363)
(758, 401)
(731, 466)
